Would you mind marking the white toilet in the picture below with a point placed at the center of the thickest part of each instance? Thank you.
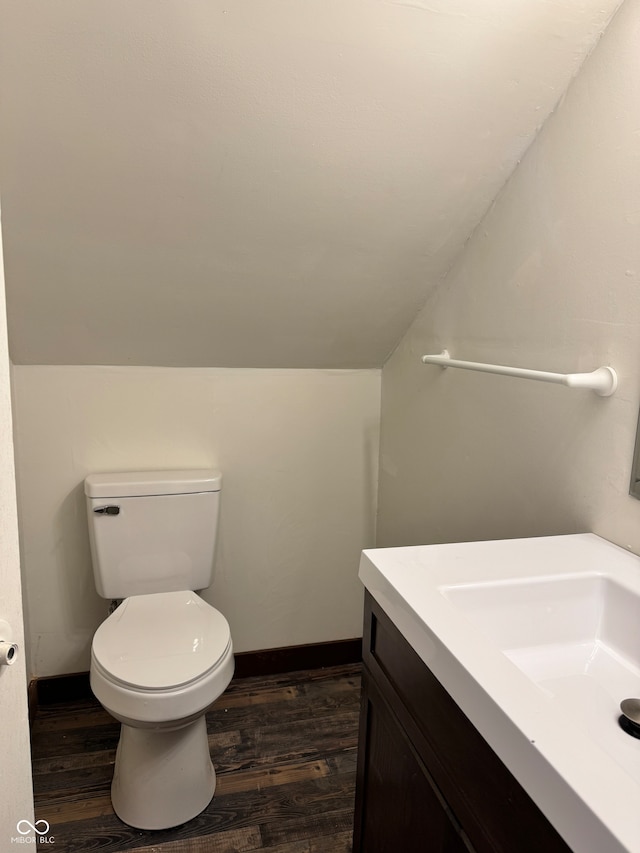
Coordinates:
(161, 659)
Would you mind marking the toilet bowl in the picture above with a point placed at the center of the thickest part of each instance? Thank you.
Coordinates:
(158, 662)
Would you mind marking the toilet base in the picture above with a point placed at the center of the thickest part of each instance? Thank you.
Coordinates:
(162, 778)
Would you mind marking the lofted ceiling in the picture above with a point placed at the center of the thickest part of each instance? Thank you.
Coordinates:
(264, 183)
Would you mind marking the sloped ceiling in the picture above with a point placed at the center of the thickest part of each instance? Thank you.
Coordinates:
(258, 182)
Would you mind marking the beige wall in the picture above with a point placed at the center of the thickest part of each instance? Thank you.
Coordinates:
(298, 452)
(549, 280)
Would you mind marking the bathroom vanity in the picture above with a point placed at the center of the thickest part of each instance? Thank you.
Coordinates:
(427, 780)
(472, 655)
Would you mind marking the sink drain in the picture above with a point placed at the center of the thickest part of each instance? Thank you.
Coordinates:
(630, 719)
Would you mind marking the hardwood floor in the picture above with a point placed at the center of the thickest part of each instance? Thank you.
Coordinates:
(284, 750)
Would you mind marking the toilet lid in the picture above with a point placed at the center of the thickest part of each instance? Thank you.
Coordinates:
(160, 641)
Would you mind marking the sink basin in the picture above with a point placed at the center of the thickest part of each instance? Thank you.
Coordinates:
(538, 642)
(561, 627)
(576, 637)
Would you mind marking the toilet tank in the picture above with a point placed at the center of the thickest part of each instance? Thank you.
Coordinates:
(152, 531)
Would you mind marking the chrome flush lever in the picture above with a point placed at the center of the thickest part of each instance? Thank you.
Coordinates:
(107, 510)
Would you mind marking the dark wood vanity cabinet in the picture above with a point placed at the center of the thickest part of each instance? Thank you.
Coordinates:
(427, 781)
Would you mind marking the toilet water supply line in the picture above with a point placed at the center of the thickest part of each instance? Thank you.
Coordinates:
(603, 381)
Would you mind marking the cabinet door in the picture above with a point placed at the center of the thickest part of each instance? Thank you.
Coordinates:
(496, 812)
(398, 807)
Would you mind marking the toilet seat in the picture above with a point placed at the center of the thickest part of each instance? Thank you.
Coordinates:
(160, 642)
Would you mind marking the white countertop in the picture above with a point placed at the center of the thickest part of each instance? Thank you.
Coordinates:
(584, 788)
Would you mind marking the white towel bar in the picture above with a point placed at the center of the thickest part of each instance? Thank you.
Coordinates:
(603, 381)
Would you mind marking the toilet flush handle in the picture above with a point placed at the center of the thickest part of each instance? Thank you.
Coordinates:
(112, 509)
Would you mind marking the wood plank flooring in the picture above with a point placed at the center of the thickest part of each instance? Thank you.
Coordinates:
(284, 750)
